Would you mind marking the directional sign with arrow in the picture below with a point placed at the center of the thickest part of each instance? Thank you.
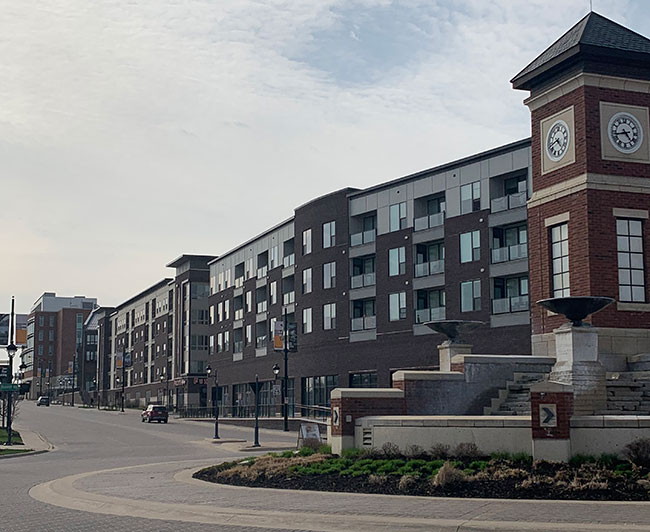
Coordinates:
(335, 416)
(548, 415)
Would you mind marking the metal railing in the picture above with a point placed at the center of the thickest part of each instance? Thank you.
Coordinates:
(427, 222)
(288, 298)
(238, 347)
(364, 237)
(260, 342)
(268, 410)
(424, 269)
(365, 279)
(505, 254)
(508, 202)
(289, 260)
(430, 314)
(262, 306)
(261, 272)
(510, 304)
(363, 323)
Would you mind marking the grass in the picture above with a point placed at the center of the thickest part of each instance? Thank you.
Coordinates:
(15, 437)
(10, 450)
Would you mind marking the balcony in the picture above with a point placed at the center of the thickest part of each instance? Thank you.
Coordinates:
(364, 323)
(239, 282)
(429, 268)
(261, 272)
(430, 314)
(239, 314)
(510, 304)
(288, 298)
(365, 237)
(238, 347)
(508, 202)
(289, 260)
(427, 222)
(508, 253)
(365, 279)
(260, 342)
(262, 307)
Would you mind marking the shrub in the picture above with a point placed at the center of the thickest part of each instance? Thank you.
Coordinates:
(466, 451)
(325, 449)
(352, 454)
(306, 451)
(390, 467)
(608, 461)
(439, 451)
(478, 465)
(407, 482)
(579, 459)
(638, 452)
(390, 450)
(448, 475)
(286, 454)
(376, 480)
(521, 459)
(414, 451)
(500, 456)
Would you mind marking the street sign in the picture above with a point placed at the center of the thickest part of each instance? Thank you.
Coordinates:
(336, 419)
(292, 336)
(9, 387)
(548, 415)
(4, 373)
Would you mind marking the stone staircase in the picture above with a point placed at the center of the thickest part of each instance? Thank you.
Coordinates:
(628, 392)
(514, 399)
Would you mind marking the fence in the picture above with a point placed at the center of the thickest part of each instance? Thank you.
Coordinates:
(248, 411)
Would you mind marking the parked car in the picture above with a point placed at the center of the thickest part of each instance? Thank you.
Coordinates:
(155, 413)
(43, 400)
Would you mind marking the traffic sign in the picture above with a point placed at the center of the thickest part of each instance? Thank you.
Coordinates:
(9, 387)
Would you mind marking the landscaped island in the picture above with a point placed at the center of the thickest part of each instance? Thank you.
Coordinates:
(462, 472)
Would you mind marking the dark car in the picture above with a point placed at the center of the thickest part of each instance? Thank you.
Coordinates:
(155, 413)
(43, 400)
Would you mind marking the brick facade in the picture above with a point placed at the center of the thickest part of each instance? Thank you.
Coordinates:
(563, 402)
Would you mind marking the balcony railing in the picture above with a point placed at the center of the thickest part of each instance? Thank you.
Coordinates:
(365, 237)
(429, 268)
(239, 282)
(363, 323)
(365, 279)
(289, 260)
(508, 202)
(510, 304)
(238, 347)
(260, 342)
(427, 222)
(514, 252)
(430, 314)
(288, 298)
(262, 306)
(261, 272)
(239, 314)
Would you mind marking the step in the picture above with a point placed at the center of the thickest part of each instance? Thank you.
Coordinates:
(522, 377)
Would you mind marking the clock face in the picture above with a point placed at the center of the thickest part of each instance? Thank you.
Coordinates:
(625, 132)
(557, 140)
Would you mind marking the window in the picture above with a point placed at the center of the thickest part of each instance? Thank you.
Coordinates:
(249, 301)
(510, 294)
(470, 246)
(329, 316)
(470, 197)
(211, 318)
(631, 274)
(275, 256)
(306, 281)
(397, 213)
(329, 234)
(470, 296)
(397, 306)
(317, 390)
(40, 335)
(51, 321)
(199, 342)
(560, 258)
(249, 334)
(200, 316)
(41, 321)
(397, 261)
(306, 242)
(329, 275)
(363, 380)
(226, 309)
(273, 292)
(363, 315)
(306, 320)
(220, 311)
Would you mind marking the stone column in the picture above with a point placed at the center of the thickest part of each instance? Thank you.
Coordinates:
(551, 406)
(447, 350)
(577, 364)
(349, 404)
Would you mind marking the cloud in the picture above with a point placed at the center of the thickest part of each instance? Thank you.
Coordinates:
(133, 132)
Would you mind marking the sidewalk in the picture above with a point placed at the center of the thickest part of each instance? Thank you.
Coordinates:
(31, 440)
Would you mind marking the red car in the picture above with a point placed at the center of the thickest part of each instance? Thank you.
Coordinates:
(155, 413)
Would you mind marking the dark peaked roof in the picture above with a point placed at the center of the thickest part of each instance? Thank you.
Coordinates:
(593, 31)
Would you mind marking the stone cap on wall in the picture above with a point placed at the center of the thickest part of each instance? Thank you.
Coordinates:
(610, 422)
(389, 393)
(444, 421)
(498, 359)
(550, 387)
(420, 375)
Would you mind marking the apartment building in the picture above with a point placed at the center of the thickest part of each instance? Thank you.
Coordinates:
(54, 340)
(362, 271)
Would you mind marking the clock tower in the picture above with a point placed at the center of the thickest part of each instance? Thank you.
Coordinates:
(588, 217)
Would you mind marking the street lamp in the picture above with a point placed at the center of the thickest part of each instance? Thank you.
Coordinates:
(215, 401)
(11, 351)
(123, 376)
(95, 391)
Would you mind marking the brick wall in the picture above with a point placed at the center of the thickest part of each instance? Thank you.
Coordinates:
(357, 407)
(564, 409)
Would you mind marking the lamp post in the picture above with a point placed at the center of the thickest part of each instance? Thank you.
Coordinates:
(95, 391)
(215, 401)
(11, 351)
(123, 377)
(74, 373)
(276, 372)
(285, 387)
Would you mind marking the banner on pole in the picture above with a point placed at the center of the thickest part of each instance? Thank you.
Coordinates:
(278, 336)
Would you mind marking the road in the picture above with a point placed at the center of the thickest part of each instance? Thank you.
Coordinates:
(109, 472)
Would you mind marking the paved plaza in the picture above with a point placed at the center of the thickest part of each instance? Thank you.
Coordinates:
(107, 471)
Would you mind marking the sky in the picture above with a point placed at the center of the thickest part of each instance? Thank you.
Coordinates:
(134, 131)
